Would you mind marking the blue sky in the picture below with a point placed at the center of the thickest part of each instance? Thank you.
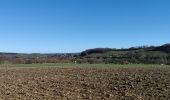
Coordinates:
(49, 26)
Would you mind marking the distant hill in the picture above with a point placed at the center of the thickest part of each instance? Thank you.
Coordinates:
(163, 48)
(140, 54)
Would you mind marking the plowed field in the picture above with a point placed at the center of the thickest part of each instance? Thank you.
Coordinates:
(84, 83)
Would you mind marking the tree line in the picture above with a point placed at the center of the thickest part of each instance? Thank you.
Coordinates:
(136, 55)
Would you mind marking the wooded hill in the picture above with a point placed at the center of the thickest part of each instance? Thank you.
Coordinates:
(137, 55)
(141, 54)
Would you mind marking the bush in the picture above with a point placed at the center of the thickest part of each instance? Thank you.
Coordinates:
(28, 62)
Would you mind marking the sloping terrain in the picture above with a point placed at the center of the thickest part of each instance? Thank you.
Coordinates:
(135, 55)
(139, 55)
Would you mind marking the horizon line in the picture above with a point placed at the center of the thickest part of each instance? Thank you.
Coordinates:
(77, 51)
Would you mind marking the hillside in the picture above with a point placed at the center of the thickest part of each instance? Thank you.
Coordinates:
(141, 54)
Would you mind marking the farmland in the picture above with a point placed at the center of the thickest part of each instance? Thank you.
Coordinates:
(133, 55)
(84, 81)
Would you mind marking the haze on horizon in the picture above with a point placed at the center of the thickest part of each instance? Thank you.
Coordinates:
(58, 26)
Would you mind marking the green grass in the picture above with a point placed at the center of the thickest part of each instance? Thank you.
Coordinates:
(66, 65)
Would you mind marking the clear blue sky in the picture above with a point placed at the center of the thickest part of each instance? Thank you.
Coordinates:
(49, 26)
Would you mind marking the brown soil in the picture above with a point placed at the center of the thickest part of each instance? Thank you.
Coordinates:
(84, 83)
